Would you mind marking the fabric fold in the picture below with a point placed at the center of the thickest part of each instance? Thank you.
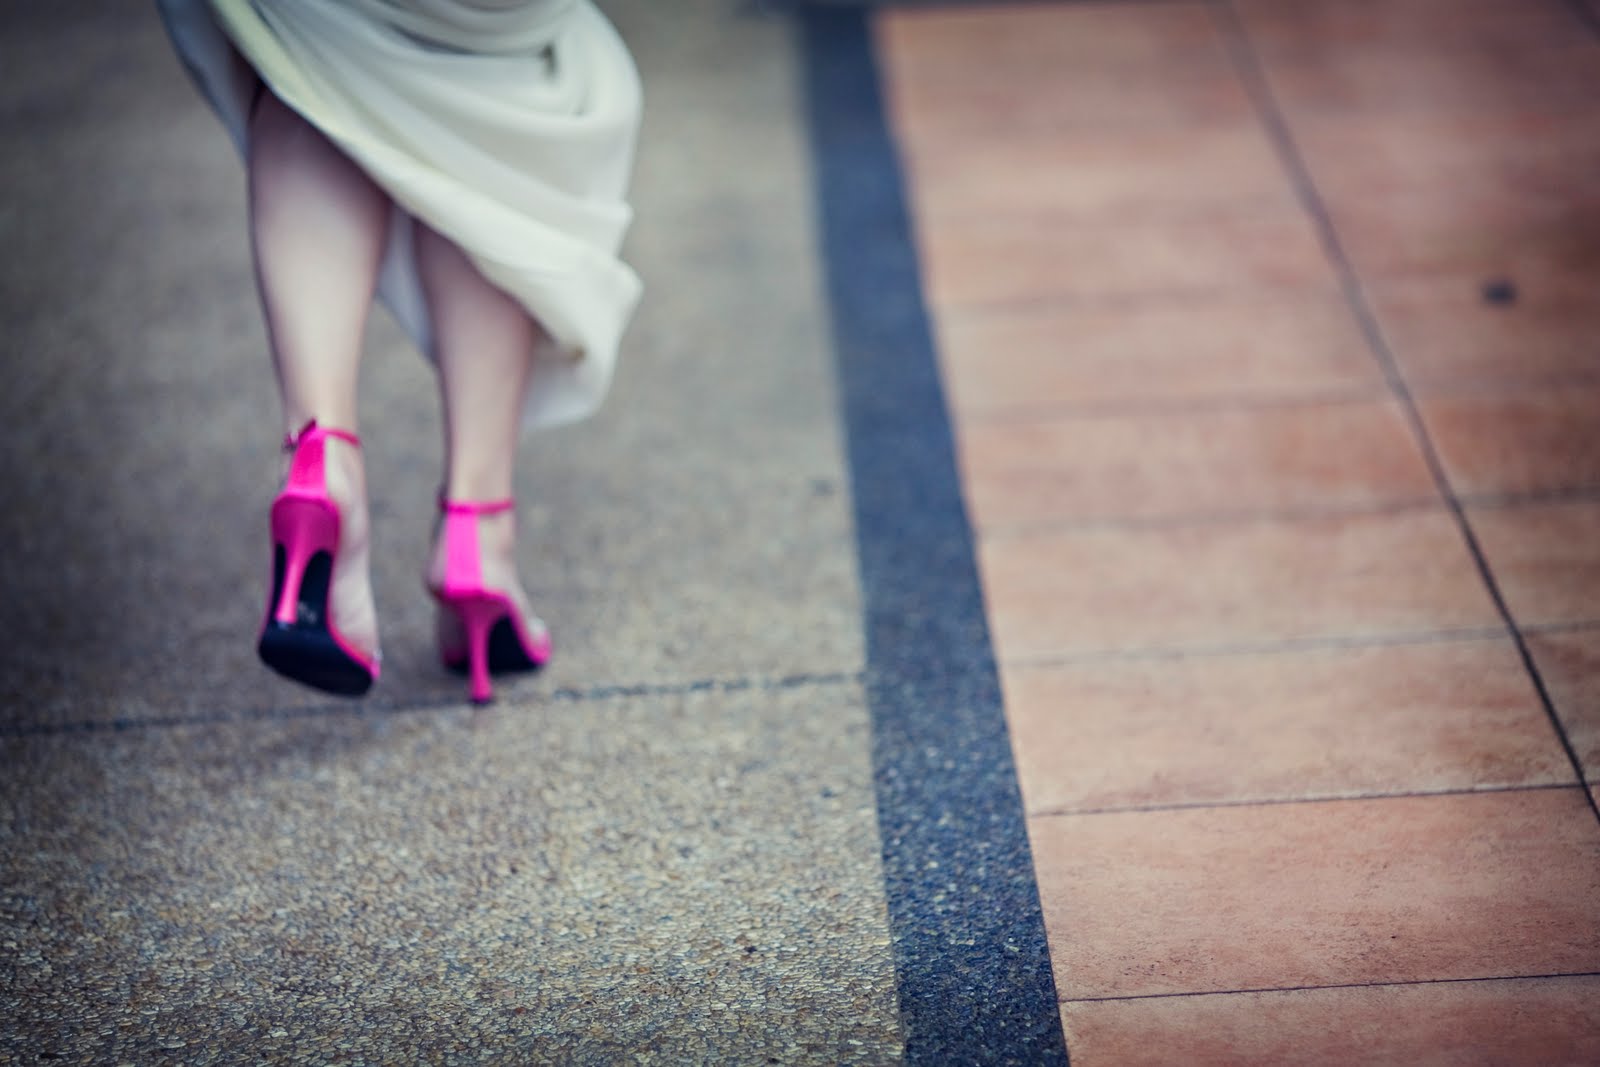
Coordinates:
(506, 125)
(480, 26)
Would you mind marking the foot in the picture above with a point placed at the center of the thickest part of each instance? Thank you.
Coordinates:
(497, 553)
(350, 605)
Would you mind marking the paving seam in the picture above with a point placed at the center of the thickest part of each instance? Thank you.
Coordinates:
(369, 709)
(972, 962)
(1252, 74)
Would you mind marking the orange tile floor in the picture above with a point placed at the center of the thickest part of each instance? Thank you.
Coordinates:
(1271, 330)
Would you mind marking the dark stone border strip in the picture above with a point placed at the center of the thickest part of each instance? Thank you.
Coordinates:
(972, 963)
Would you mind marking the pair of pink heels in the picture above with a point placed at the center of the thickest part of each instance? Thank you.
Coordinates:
(298, 637)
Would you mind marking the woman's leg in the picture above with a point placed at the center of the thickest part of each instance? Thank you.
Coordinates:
(485, 343)
(318, 226)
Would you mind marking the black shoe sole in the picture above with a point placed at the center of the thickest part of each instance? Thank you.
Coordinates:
(304, 650)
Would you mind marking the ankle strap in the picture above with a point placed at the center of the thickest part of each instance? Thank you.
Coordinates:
(291, 441)
(475, 507)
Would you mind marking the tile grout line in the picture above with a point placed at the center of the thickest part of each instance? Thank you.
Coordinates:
(1491, 501)
(1247, 63)
(1244, 404)
(1331, 642)
(1024, 306)
(1019, 531)
(1178, 406)
(1576, 626)
(1277, 399)
(1002, 532)
(1334, 986)
(1273, 802)
(371, 709)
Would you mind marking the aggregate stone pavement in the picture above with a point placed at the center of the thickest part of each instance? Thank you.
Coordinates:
(665, 880)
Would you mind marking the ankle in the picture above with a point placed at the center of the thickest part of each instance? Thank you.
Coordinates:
(477, 483)
(330, 418)
(497, 535)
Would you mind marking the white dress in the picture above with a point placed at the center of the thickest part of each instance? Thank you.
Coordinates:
(507, 125)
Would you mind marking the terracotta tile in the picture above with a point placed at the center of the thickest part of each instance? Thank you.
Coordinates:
(1062, 100)
(1441, 328)
(1480, 191)
(1516, 440)
(1290, 458)
(1478, 230)
(1544, 1021)
(939, 43)
(1097, 175)
(1491, 76)
(1569, 663)
(1341, 25)
(1545, 557)
(1090, 592)
(1218, 346)
(1032, 67)
(1400, 889)
(1486, 196)
(977, 264)
(1532, 157)
(1293, 725)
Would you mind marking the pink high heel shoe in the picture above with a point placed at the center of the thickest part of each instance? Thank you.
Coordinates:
(298, 637)
(498, 637)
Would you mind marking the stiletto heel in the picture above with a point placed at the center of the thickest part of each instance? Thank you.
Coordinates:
(301, 528)
(498, 637)
(298, 637)
(478, 616)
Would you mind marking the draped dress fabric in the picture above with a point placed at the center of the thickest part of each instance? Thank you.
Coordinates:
(506, 125)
